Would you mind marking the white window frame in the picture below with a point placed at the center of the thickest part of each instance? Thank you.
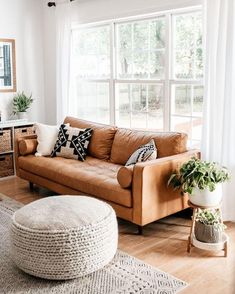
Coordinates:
(167, 82)
(175, 82)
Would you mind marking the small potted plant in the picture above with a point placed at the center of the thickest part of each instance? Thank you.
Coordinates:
(201, 180)
(208, 226)
(21, 103)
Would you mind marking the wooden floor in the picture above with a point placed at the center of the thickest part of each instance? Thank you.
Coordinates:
(162, 245)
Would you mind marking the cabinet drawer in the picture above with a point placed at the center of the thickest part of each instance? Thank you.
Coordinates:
(24, 131)
(6, 165)
(5, 140)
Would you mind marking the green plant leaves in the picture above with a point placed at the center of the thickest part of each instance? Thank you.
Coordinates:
(21, 102)
(210, 217)
(196, 173)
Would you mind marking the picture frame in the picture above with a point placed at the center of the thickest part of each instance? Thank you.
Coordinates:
(7, 65)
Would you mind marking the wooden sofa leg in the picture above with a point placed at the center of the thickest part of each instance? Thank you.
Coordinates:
(31, 186)
(140, 230)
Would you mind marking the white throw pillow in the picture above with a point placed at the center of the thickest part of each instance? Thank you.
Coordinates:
(46, 137)
(143, 153)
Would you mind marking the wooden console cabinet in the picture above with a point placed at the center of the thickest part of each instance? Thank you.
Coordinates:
(9, 132)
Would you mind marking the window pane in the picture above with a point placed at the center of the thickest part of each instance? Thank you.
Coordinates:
(140, 35)
(141, 49)
(184, 64)
(124, 35)
(197, 100)
(155, 121)
(92, 101)
(139, 97)
(123, 96)
(198, 29)
(157, 64)
(138, 120)
(123, 119)
(181, 124)
(196, 128)
(157, 33)
(139, 105)
(199, 63)
(155, 98)
(186, 108)
(195, 144)
(187, 44)
(140, 65)
(91, 52)
(184, 31)
(181, 100)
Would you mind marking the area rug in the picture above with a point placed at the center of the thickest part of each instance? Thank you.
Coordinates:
(124, 275)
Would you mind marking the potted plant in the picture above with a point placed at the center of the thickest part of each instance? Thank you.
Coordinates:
(208, 226)
(21, 103)
(201, 180)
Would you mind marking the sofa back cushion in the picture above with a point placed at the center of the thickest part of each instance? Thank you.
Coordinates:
(102, 136)
(126, 141)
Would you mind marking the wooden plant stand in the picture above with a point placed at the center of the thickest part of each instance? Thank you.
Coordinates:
(193, 242)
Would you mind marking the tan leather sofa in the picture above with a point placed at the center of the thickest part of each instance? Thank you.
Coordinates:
(147, 199)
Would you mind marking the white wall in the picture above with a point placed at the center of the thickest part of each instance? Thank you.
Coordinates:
(49, 39)
(22, 20)
(97, 10)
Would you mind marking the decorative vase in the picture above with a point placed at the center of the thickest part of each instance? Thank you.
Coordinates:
(207, 233)
(22, 115)
(205, 197)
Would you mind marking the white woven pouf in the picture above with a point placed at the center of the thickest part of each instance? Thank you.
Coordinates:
(63, 237)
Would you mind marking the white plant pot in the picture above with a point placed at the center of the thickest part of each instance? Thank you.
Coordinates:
(205, 197)
(22, 115)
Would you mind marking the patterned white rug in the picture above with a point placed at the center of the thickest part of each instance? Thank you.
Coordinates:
(124, 275)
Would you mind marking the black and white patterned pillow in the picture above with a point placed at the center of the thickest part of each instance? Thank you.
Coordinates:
(143, 153)
(72, 142)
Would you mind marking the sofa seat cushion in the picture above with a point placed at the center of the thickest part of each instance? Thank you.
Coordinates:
(102, 136)
(127, 141)
(93, 177)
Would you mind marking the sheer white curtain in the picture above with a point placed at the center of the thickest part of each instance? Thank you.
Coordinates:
(218, 142)
(63, 41)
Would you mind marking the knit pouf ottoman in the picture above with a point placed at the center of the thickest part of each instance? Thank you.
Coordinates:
(63, 237)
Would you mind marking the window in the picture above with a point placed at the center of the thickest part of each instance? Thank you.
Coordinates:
(139, 106)
(144, 73)
(141, 49)
(187, 72)
(90, 73)
(140, 70)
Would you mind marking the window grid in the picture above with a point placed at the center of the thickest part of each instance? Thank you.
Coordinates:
(168, 80)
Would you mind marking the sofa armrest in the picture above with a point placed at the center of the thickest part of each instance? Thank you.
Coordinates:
(34, 136)
(28, 146)
(26, 139)
(17, 152)
(152, 198)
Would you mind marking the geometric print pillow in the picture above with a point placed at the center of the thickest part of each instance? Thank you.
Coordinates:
(143, 153)
(72, 142)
